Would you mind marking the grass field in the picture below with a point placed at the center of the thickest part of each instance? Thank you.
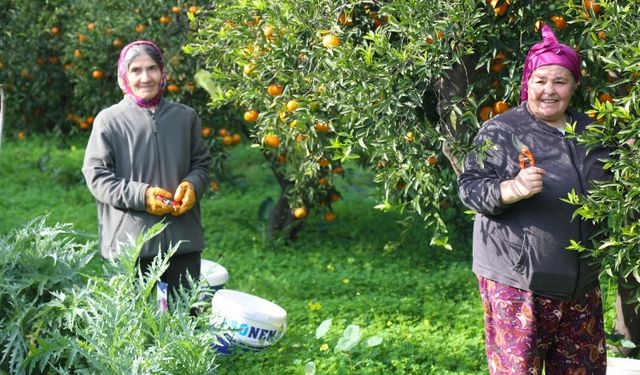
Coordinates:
(422, 302)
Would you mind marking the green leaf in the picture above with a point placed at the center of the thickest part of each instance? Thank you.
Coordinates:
(350, 338)
(373, 341)
(323, 328)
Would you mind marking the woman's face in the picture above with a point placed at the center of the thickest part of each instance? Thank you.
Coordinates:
(550, 88)
(144, 76)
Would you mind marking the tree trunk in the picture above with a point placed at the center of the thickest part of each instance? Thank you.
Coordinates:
(627, 319)
(282, 223)
(450, 88)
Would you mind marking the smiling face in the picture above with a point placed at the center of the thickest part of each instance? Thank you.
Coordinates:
(144, 76)
(550, 89)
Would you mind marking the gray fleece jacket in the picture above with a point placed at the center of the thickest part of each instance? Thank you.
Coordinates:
(130, 149)
(524, 245)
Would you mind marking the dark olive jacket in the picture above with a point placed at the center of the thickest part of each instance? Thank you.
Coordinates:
(524, 244)
(130, 149)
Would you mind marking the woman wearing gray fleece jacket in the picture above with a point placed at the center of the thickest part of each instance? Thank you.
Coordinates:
(143, 153)
(542, 302)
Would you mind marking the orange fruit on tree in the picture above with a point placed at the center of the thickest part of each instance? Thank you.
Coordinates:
(337, 170)
(206, 132)
(410, 137)
(139, 28)
(281, 159)
(173, 88)
(91, 26)
(501, 9)
(83, 125)
(322, 127)
(292, 105)
(590, 5)
(193, 9)
(117, 43)
(176, 10)
(90, 119)
(559, 22)
(82, 38)
(223, 132)
(439, 35)
(330, 41)
(497, 64)
(334, 197)
(323, 181)
(165, 20)
(97, 74)
(429, 39)
(248, 69)
(329, 216)
(21, 135)
(485, 113)
(432, 160)
(214, 186)
(227, 140)
(274, 89)
(300, 212)
(236, 138)
(40, 61)
(500, 107)
(602, 35)
(268, 31)
(345, 19)
(272, 140)
(605, 97)
(323, 162)
(55, 30)
(251, 116)
(77, 54)
(54, 60)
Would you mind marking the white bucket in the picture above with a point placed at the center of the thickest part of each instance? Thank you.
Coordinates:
(215, 274)
(253, 322)
(623, 366)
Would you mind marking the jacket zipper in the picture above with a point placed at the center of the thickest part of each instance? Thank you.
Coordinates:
(154, 126)
(572, 154)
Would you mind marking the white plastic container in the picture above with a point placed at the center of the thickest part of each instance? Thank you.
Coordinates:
(252, 322)
(623, 366)
(215, 274)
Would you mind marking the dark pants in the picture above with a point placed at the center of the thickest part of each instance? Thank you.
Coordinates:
(179, 266)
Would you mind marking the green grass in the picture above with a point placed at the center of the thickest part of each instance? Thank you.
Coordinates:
(423, 302)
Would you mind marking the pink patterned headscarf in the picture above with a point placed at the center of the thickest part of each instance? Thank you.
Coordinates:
(548, 52)
(122, 74)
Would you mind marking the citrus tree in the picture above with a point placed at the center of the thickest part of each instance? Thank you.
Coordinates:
(396, 86)
(614, 49)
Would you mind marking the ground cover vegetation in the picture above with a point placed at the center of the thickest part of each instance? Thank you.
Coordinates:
(387, 91)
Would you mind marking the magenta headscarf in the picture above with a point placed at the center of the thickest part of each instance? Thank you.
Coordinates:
(122, 75)
(548, 52)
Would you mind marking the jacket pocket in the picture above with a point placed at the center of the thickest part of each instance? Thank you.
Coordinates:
(518, 253)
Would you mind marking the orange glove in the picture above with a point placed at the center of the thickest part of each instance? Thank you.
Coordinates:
(186, 195)
(156, 206)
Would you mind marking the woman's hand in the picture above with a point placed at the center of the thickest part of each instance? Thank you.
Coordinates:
(186, 195)
(527, 183)
(156, 206)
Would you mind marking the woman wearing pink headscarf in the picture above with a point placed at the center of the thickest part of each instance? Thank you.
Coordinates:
(145, 162)
(541, 301)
